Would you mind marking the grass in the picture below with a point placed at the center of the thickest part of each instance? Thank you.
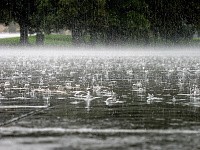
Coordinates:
(60, 40)
(196, 42)
(58, 37)
(51, 40)
(66, 40)
(9, 41)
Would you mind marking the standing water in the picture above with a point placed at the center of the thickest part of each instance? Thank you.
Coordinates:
(130, 99)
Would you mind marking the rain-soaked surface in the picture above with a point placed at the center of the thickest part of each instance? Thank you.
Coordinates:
(70, 100)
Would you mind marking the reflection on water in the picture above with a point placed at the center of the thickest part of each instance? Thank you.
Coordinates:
(89, 142)
(113, 94)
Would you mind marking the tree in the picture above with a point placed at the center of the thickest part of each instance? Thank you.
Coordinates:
(20, 11)
(126, 21)
(44, 19)
(4, 13)
(173, 20)
(96, 20)
(72, 16)
(83, 17)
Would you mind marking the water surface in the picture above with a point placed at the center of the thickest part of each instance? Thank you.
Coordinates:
(39, 107)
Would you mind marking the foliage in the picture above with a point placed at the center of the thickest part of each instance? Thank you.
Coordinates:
(126, 20)
(82, 18)
(20, 12)
(45, 17)
(106, 21)
(173, 20)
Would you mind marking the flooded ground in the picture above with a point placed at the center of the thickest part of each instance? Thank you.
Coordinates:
(135, 101)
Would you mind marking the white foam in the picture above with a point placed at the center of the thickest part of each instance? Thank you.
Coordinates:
(21, 106)
(21, 130)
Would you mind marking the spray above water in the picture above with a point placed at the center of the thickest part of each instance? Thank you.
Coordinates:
(98, 52)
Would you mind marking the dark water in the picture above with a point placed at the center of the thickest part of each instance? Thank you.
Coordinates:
(157, 103)
(132, 114)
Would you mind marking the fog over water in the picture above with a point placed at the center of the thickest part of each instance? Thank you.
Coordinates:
(101, 52)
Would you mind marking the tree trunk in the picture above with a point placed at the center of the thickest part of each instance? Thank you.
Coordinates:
(109, 37)
(93, 37)
(40, 38)
(76, 37)
(23, 33)
(112, 37)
